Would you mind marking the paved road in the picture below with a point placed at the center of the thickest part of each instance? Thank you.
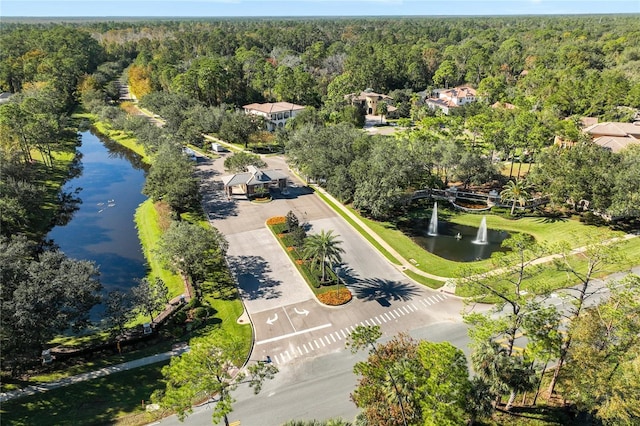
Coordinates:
(290, 325)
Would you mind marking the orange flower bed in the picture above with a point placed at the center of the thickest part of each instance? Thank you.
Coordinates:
(280, 236)
(335, 298)
(276, 220)
(290, 248)
(299, 261)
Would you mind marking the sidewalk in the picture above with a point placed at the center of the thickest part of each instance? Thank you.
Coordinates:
(32, 390)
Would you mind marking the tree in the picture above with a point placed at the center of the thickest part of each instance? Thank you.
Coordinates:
(516, 191)
(603, 363)
(150, 298)
(444, 393)
(239, 161)
(171, 179)
(507, 317)
(238, 127)
(209, 372)
(118, 310)
(580, 287)
(377, 376)
(193, 250)
(42, 295)
(323, 248)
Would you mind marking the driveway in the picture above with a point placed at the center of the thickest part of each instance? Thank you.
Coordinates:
(290, 325)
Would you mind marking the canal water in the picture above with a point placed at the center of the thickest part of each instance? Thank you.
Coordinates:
(102, 230)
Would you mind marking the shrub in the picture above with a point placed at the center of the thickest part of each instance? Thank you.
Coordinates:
(276, 220)
(335, 297)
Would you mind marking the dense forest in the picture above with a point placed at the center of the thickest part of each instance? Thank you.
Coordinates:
(197, 74)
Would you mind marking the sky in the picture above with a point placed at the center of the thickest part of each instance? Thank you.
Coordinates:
(333, 8)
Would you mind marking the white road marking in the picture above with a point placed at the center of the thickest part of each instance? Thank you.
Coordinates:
(327, 339)
(317, 345)
(305, 348)
(344, 334)
(333, 338)
(284, 336)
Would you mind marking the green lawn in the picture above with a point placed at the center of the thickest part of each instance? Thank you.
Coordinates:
(149, 232)
(106, 400)
(550, 231)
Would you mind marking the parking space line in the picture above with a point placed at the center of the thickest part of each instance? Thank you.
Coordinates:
(305, 348)
(408, 309)
(366, 322)
(300, 350)
(378, 319)
(322, 341)
(424, 303)
(316, 342)
(343, 334)
(414, 306)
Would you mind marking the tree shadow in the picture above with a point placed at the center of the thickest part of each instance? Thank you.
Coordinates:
(253, 280)
(292, 191)
(215, 203)
(382, 291)
(552, 219)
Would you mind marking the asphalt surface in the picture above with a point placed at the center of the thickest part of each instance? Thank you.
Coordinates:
(290, 325)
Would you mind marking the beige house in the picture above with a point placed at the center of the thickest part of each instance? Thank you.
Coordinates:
(369, 100)
(275, 114)
(614, 136)
(447, 99)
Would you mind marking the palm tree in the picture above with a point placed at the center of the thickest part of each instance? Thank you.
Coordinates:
(516, 191)
(323, 248)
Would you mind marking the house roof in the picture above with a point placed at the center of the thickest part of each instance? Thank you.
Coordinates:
(441, 102)
(505, 105)
(362, 96)
(4, 97)
(616, 143)
(459, 92)
(273, 107)
(614, 129)
(253, 176)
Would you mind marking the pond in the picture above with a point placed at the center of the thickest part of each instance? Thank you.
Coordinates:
(102, 230)
(455, 242)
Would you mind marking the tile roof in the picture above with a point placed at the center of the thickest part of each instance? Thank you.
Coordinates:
(614, 129)
(615, 143)
(270, 108)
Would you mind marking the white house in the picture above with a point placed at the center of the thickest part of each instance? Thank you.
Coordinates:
(275, 114)
(446, 99)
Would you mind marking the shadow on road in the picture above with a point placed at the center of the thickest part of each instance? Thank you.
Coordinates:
(251, 272)
(382, 291)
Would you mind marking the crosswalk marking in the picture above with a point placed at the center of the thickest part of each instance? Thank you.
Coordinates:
(336, 336)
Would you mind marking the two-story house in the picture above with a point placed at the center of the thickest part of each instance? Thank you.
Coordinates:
(368, 100)
(275, 114)
(447, 99)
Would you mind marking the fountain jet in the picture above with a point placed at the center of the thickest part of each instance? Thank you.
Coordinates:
(481, 236)
(433, 224)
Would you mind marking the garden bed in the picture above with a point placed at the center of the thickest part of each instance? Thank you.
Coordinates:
(332, 292)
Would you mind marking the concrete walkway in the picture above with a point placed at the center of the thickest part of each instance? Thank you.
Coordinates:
(32, 390)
